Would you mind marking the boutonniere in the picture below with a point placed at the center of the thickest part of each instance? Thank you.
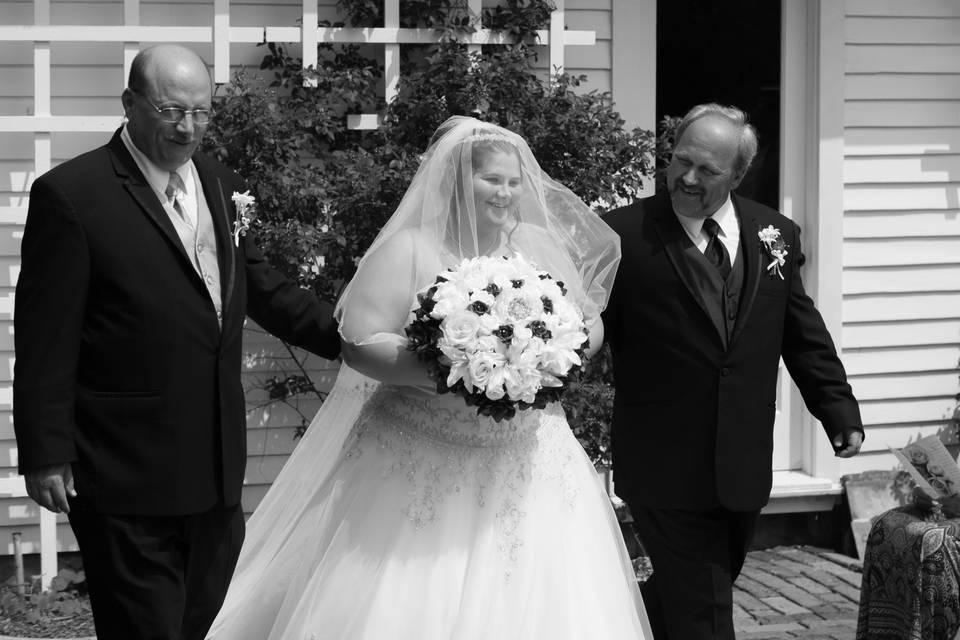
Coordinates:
(246, 207)
(776, 249)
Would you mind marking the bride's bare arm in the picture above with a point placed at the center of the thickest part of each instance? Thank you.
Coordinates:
(596, 337)
(378, 309)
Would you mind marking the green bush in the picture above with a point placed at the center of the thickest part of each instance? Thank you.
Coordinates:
(324, 191)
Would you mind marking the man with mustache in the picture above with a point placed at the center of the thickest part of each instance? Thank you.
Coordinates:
(707, 300)
(129, 312)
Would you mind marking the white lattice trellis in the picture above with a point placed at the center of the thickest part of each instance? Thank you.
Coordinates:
(42, 123)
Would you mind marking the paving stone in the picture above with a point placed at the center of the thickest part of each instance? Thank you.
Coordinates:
(810, 586)
(824, 577)
(850, 577)
(833, 597)
(829, 623)
(768, 579)
(812, 634)
(801, 597)
(740, 614)
(854, 564)
(770, 628)
(753, 587)
(788, 564)
(784, 605)
(747, 601)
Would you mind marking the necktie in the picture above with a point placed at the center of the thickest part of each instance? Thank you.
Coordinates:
(715, 252)
(175, 192)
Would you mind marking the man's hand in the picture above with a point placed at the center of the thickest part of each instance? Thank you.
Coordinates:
(847, 443)
(50, 486)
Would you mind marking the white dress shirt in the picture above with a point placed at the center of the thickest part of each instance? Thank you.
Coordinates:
(158, 178)
(726, 217)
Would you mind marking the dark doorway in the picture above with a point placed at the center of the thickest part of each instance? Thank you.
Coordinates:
(725, 51)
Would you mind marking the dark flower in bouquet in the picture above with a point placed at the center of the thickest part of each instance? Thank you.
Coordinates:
(500, 333)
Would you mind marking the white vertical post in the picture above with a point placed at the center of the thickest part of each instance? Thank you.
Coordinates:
(42, 161)
(308, 39)
(41, 62)
(476, 8)
(556, 39)
(391, 52)
(221, 41)
(131, 18)
(48, 547)
(823, 235)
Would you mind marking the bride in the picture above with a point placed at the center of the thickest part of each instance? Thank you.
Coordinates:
(402, 513)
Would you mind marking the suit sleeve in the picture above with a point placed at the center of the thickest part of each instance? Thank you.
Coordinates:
(811, 357)
(49, 307)
(609, 314)
(283, 308)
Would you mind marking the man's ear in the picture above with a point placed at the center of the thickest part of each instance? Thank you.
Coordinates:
(126, 99)
(737, 178)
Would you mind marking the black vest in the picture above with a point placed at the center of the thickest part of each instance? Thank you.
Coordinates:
(722, 298)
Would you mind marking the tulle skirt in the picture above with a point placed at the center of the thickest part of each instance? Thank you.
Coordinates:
(432, 524)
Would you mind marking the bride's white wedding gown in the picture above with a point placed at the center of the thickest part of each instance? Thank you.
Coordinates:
(423, 521)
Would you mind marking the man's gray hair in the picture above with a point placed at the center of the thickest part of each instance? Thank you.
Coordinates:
(746, 149)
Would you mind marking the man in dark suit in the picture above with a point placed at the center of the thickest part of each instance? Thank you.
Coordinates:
(708, 298)
(128, 407)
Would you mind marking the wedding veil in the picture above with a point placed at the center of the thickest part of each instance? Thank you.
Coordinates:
(439, 224)
(440, 218)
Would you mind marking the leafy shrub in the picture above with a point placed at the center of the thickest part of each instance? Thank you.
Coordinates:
(66, 597)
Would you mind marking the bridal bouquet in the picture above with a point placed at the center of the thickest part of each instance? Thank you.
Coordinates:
(500, 333)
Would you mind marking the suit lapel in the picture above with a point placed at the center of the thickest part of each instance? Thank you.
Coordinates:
(141, 191)
(219, 211)
(752, 269)
(675, 242)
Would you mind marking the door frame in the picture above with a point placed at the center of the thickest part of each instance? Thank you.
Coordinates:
(811, 185)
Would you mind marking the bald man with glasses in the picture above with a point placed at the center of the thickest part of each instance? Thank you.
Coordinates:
(129, 311)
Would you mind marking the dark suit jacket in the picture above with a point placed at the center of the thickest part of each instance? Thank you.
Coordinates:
(693, 419)
(121, 367)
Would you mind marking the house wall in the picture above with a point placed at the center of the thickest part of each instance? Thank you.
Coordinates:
(87, 79)
(901, 219)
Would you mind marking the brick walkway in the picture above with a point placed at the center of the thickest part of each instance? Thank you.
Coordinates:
(797, 592)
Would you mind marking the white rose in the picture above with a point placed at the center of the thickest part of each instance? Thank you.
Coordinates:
(460, 328)
(481, 367)
(451, 302)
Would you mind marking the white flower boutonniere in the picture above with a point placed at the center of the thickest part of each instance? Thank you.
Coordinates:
(246, 206)
(776, 249)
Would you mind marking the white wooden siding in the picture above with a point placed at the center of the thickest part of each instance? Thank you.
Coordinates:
(901, 250)
(86, 78)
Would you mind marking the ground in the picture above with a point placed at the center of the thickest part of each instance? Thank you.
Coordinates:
(797, 592)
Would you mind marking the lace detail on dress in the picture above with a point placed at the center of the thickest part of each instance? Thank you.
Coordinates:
(441, 446)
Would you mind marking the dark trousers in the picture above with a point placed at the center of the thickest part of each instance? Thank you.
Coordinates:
(696, 557)
(157, 577)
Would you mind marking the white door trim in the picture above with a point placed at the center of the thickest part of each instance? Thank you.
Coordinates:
(811, 174)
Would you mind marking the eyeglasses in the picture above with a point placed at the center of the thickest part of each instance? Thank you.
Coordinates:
(173, 115)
